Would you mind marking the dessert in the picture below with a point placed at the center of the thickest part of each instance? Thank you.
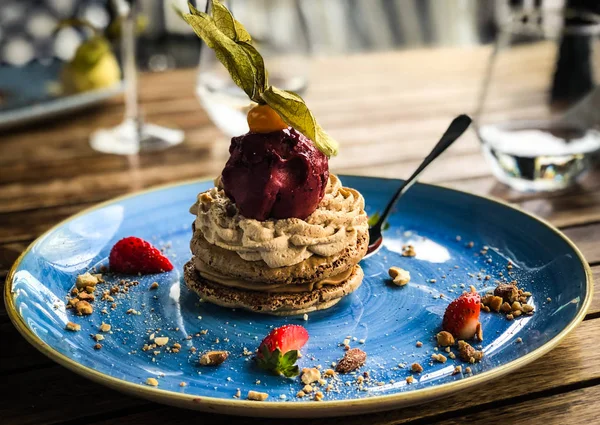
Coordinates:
(278, 233)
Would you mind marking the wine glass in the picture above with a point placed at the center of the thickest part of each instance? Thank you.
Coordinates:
(279, 32)
(133, 135)
(541, 80)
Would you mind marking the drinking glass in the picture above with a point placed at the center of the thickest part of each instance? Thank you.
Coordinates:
(134, 134)
(537, 118)
(279, 32)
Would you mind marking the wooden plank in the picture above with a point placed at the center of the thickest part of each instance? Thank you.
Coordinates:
(535, 378)
(586, 238)
(574, 408)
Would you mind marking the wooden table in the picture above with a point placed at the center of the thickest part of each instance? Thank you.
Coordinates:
(386, 110)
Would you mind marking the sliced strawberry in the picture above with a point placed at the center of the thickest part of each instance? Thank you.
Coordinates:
(462, 315)
(278, 352)
(133, 255)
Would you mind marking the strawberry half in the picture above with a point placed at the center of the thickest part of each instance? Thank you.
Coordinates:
(134, 255)
(278, 352)
(462, 315)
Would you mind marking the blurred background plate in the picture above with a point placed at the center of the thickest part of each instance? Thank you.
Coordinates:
(26, 94)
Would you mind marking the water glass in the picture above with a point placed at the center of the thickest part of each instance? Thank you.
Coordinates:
(537, 118)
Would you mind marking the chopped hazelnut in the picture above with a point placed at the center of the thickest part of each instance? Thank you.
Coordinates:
(152, 382)
(416, 368)
(439, 358)
(86, 279)
(70, 326)
(399, 276)
(213, 358)
(468, 353)
(83, 308)
(445, 339)
(495, 303)
(257, 396)
(161, 340)
(104, 327)
(154, 285)
(457, 370)
(310, 375)
(506, 308)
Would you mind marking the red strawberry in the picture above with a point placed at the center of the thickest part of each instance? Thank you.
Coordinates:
(134, 255)
(462, 315)
(278, 352)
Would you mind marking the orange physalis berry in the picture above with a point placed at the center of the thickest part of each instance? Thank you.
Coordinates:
(263, 119)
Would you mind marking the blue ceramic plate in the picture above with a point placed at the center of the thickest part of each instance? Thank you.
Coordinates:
(384, 320)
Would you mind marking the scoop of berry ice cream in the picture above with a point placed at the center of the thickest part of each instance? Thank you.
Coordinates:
(280, 174)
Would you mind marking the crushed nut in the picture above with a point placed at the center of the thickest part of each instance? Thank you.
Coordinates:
(318, 396)
(507, 291)
(416, 368)
(84, 280)
(97, 346)
(510, 317)
(182, 384)
(439, 358)
(457, 370)
(161, 340)
(257, 396)
(84, 296)
(408, 251)
(154, 285)
(516, 306)
(468, 353)
(479, 332)
(468, 370)
(152, 382)
(506, 308)
(104, 327)
(519, 340)
(445, 339)
(410, 379)
(213, 358)
(495, 303)
(329, 372)
(310, 375)
(83, 308)
(399, 276)
(527, 308)
(70, 326)
(99, 337)
(307, 389)
(352, 360)
(300, 394)
(419, 344)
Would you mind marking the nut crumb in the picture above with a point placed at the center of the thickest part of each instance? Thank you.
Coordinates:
(416, 368)
(445, 339)
(400, 277)
(97, 346)
(468, 353)
(305, 317)
(84, 280)
(410, 379)
(479, 332)
(519, 340)
(307, 389)
(154, 285)
(213, 358)
(104, 327)
(161, 340)
(352, 360)
(468, 370)
(408, 251)
(182, 384)
(310, 375)
(257, 396)
(419, 344)
(152, 382)
(83, 308)
(439, 358)
(457, 370)
(318, 396)
(510, 317)
(329, 372)
(300, 394)
(74, 327)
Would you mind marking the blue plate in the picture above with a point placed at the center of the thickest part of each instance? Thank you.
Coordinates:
(383, 320)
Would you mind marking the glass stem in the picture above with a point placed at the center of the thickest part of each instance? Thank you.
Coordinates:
(132, 111)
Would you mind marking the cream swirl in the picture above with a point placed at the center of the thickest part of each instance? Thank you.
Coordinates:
(332, 227)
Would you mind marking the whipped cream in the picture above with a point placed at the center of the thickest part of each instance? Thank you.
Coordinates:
(332, 227)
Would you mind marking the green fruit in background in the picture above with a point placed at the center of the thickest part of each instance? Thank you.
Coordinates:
(93, 67)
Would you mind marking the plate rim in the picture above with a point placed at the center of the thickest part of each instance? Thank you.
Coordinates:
(297, 408)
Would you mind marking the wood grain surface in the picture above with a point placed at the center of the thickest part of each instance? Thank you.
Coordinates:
(387, 110)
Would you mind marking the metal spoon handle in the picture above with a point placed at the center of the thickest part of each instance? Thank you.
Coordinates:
(458, 126)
